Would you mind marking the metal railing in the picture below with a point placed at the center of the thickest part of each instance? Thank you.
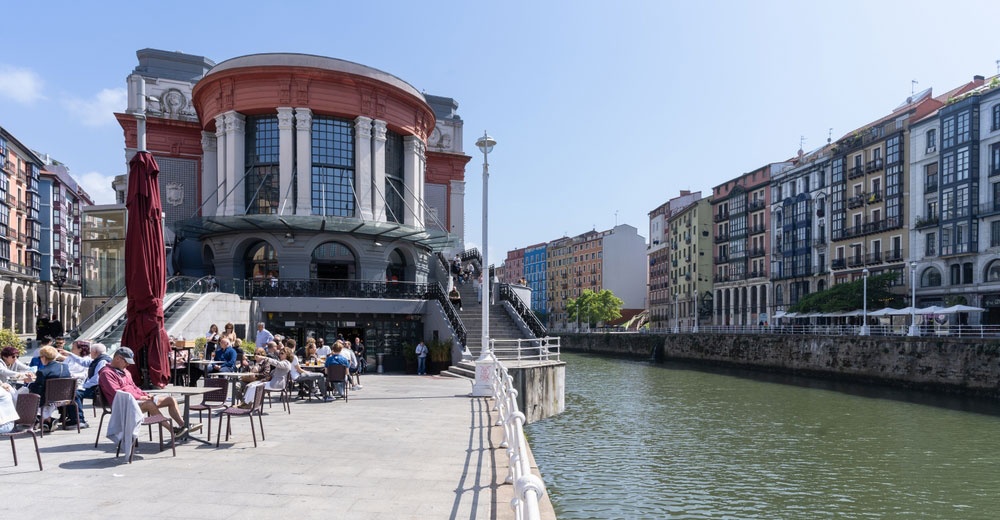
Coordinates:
(523, 310)
(546, 348)
(965, 331)
(528, 487)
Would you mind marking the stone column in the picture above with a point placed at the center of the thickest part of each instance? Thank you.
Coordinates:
(378, 171)
(222, 171)
(236, 162)
(411, 178)
(363, 167)
(286, 160)
(209, 174)
(303, 167)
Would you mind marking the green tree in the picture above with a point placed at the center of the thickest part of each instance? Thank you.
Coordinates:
(592, 308)
(850, 296)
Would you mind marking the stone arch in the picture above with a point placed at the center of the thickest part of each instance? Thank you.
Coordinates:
(19, 310)
(7, 317)
(992, 272)
(208, 258)
(753, 300)
(930, 277)
(333, 260)
(258, 259)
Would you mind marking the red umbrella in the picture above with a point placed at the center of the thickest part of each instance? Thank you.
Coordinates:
(145, 273)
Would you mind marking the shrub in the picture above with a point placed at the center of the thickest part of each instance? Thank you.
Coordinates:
(9, 339)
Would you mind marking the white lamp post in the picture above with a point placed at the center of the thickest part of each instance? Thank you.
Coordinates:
(914, 329)
(864, 311)
(484, 365)
(677, 327)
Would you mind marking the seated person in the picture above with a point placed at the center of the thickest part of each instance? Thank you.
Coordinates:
(77, 359)
(99, 358)
(322, 350)
(455, 297)
(227, 355)
(313, 383)
(279, 369)
(13, 371)
(337, 359)
(259, 371)
(114, 377)
(50, 369)
(8, 408)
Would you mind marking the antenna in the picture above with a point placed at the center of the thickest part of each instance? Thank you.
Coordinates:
(616, 218)
(829, 136)
(802, 141)
(913, 85)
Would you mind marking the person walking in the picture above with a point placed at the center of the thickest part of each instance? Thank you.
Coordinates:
(422, 352)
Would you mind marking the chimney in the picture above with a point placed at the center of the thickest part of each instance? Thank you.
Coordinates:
(978, 80)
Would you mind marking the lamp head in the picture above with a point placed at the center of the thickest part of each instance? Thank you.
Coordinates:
(865, 272)
(913, 265)
(485, 143)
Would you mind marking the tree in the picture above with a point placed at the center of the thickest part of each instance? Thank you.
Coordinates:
(850, 296)
(592, 308)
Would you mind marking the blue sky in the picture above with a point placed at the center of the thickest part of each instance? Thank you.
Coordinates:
(602, 110)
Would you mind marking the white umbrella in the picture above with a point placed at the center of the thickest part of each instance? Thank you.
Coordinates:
(888, 311)
(961, 308)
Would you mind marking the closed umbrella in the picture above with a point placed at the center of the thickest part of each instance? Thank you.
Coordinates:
(145, 273)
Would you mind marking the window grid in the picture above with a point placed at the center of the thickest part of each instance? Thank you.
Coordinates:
(394, 176)
(261, 182)
(332, 167)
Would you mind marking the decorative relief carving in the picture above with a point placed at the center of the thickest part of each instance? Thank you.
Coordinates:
(227, 100)
(367, 102)
(301, 91)
(175, 193)
(285, 118)
(173, 103)
(235, 123)
(303, 119)
(285, 90)
(381, 99)
(379, 128)
(441, 138)
(363, 126)
(209, 142)
(422, 123)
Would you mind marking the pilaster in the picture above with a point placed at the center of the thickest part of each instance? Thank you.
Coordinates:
(303, 151)
(363, 166)
(222, 171)
(286, 160)
(378, 170)
(209, 174)
(412, 167)
(236, 162)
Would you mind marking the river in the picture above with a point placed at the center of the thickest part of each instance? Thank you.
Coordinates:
(640, 440)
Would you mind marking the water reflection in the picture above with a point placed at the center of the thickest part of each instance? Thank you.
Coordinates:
(655, 441)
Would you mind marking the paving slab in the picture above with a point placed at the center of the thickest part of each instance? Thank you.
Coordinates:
(402, 447)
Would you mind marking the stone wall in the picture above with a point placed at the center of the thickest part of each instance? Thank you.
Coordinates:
(541, 389)
(968, 366)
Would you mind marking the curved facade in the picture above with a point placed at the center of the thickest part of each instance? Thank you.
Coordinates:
(298, 167)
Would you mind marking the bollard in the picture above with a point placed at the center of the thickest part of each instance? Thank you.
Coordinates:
(379, 369)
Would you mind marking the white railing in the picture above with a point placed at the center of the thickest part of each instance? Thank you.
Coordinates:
(528, 487)
(532, 349)
(964, 331)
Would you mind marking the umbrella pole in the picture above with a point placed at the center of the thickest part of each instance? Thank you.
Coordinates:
(144, 368)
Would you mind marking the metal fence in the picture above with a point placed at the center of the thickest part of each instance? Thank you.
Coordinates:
(528, 487)
(532, 349)
(965, 331)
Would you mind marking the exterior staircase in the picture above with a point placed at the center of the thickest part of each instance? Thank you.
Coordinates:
(501, 327)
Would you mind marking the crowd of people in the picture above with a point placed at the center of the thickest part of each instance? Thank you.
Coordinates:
(276, 362)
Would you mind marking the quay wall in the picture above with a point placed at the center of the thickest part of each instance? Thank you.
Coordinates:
(968, 366)
(541, 389)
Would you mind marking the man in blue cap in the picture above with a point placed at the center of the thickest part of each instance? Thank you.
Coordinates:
(114, 377)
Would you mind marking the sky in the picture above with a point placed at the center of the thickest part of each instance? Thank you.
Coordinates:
(602, 111)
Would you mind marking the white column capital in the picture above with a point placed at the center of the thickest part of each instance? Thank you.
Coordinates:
(220, 126)
(363, 127)
(285, 115)
(209, 143)
(379, 128)
(303, 119)
(235, 122)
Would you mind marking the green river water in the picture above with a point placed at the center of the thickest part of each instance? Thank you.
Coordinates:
(640, 440)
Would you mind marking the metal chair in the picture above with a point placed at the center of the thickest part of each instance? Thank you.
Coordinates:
(61, 391)
(338, 374)
(27, 410)
(214, 400)
(284, 395)
(256, 408)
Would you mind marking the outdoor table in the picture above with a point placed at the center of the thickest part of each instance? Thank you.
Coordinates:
(187, 392)
(177, 351)
(312, 368)
(234, 377)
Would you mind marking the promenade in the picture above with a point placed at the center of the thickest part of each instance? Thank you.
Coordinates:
(404, 447)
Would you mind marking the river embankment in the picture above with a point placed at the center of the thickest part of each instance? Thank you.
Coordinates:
(965, 366)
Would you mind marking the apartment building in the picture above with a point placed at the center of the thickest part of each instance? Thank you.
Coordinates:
(740, 212)
(660, 287)
(512, 269)
(799, 233)
(21, 272)
(691, 264)
(534, 271)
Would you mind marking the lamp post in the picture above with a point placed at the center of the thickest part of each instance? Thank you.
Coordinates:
(59, 278)
(864, 311)
(696, 312)
(677, 326)
(914, 330)
(484, 365)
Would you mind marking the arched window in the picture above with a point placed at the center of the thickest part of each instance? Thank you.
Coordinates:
(931, 277)
(396, 270)
(332, 261)
(993, 272)
(260, 261)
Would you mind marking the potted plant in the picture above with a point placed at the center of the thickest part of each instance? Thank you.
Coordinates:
(440, 356)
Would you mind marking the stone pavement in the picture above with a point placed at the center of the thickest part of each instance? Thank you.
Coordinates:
(404, 447)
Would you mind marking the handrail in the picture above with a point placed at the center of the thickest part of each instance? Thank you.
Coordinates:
(950, 330)
(98, 313)
(528, 487)
(530, 320)
(530, 349)
(439, 294)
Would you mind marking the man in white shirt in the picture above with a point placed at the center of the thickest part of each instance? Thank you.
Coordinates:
(263, 336)
(322, 350)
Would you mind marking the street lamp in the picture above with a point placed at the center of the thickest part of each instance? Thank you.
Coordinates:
(485, 145)
(59, 277)
(914, 330)
(864, 311)
(677, 324)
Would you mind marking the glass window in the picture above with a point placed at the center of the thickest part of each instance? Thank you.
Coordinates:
(930, 248)
(261, 182)
(962, 128)
(996, 117)
(962, 164)
(995, 158)
(930, 177)
(948, 132)
(332, 167)
(261, 261)
(394, 177)
(948, 168)
(931, 139)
